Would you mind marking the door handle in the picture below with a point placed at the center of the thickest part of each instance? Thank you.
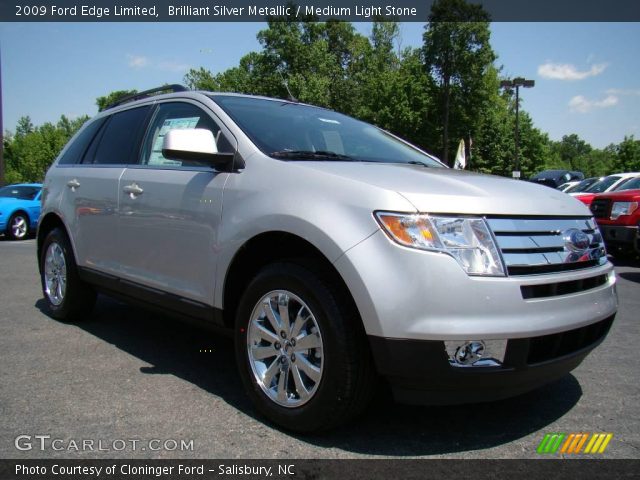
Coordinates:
(73, 184)
(133, 190)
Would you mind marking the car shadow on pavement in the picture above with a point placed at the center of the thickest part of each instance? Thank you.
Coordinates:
(207, 361)
(631, 276)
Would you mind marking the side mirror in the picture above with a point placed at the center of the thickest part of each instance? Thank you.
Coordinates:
(196, 144)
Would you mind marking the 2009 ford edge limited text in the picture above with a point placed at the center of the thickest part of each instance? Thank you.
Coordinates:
(337, 254)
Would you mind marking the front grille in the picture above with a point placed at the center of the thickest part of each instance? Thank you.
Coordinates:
(601, 207)
(562, 288)
(540, 245)
(549, 347)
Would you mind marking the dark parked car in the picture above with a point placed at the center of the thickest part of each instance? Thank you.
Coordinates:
(555, 178)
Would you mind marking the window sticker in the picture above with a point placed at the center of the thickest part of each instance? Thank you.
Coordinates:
(156, 157)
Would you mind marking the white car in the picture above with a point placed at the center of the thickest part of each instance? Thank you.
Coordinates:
(608, 184)
(567, 185)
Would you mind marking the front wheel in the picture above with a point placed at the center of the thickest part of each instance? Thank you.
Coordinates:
(67, 296)
(301, 352)
(18, 228)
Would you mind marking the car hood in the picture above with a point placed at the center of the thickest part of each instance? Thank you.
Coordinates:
(622, 195)
(444, 190)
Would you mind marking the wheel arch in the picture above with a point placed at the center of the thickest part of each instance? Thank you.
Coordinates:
(266, 248)
(46, 224)
(20, 210)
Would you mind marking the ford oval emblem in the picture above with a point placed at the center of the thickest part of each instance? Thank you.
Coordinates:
(575, 240)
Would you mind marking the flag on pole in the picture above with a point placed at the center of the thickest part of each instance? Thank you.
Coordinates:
(460, 162)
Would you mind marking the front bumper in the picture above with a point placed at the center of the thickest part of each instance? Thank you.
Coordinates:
(405, 293)
(419, 371)
(411, 302)
(621, 237)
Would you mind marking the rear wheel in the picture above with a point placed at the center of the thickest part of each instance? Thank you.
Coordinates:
(18, 228)
(67, 296)
(302, 356)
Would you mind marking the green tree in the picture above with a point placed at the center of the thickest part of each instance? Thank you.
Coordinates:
(105, 101)
(572, 150)
(30, 152)
(627, 155)
(458, 55)
(24, 126)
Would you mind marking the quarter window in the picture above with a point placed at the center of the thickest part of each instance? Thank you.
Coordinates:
(118, 141)
(77, 147)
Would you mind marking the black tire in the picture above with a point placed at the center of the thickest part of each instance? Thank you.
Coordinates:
(21, 234)
(79, 298)
(346, 384)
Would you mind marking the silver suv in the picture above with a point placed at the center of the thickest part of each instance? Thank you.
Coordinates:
(336, 253)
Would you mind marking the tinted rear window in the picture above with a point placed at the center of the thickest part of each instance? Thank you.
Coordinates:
(79, 144)
(120, 138)
(602, 185)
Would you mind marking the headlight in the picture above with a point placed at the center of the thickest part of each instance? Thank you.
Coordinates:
(466, 239)
(622, 208)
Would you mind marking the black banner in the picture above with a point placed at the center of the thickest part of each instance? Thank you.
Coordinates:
(321, 10)
(319, 469)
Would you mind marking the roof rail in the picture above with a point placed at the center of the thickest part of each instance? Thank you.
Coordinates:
(147, 93)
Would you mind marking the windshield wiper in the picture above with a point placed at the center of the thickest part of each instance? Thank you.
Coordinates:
(415, 162)
(310, 155)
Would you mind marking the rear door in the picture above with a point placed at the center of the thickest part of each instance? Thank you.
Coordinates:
(90, 200)
(170, 210)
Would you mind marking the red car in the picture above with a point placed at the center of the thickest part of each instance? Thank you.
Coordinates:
(618, 216)
(617, 181)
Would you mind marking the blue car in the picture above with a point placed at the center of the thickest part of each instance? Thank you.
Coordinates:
(19, 209)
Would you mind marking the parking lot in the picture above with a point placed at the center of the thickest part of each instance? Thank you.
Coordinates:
(126, 374)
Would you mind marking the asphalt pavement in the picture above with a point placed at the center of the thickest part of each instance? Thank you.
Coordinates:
(131, 384)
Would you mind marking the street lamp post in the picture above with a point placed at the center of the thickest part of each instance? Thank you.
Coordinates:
(517, 83)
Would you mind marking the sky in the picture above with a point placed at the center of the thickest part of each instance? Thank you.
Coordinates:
(587, 75)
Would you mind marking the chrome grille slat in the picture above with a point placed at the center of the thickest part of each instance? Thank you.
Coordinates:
(541, 225)
(519, 242)
(538, 245)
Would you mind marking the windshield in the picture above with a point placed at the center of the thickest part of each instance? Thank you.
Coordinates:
(602, 185)
(629, 184)
(292, 131)
(582, 186)
(23, 193)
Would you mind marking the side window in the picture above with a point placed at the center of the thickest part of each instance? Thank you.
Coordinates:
(79, 145)
(171, 116)
(117, 142)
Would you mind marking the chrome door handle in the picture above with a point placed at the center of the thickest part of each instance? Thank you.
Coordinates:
(73, 184)
(133, 190)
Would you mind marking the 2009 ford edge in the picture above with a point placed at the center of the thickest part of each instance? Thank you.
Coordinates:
(335, 252)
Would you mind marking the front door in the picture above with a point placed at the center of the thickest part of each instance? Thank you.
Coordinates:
(170, 210)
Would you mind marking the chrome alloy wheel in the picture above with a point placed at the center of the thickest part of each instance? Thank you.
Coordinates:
(19, 227)
(55, 274)
(284, 345)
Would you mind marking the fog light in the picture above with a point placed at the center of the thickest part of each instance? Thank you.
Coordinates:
(469, 353)
(475, 353)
